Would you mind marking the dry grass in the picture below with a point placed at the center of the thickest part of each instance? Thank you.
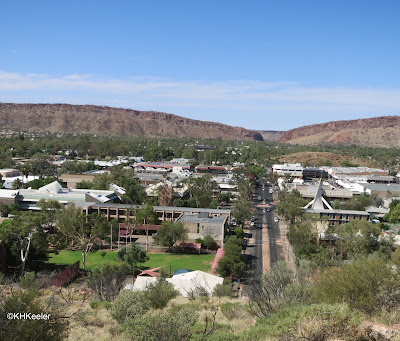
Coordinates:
(206, 308)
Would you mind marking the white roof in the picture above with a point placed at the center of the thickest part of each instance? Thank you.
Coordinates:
(8, 193)
(52, 188)
(185, 283)
(99, 197)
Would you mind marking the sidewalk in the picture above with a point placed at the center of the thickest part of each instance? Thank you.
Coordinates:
(287, 250)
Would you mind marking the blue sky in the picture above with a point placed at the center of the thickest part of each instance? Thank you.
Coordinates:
(272, 65)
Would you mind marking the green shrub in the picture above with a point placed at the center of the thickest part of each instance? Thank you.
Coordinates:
(221, 290)
(100, 304)
(313, 322)
(27, 301)
(107, 280)
(166, 326)
(232, 310)
(28, 281)
(357, 284)
(160, 293)
(129, 305)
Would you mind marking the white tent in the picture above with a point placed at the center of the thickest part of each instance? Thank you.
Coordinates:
(186, 283)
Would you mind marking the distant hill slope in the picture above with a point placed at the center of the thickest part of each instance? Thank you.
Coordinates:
(271, 135)
(92, 119)
(371, 132)
(316, 159)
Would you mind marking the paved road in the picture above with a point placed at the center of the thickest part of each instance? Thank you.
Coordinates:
(254, 252)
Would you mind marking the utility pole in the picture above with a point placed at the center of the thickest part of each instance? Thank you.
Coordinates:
(111, 230)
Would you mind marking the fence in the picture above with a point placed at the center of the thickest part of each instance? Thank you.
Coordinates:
(65, 277)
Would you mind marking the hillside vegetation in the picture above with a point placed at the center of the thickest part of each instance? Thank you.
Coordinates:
(371, 132)
(102, 120)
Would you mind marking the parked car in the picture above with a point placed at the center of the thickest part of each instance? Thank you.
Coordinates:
(276, 219)
(252, 224)
(260, 226)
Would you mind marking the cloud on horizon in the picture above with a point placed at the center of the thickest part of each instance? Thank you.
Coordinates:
(249, 103)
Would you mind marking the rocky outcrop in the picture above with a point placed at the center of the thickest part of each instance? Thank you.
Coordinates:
(92, 119)
(372, 132)
(271, 135)
(380, 332)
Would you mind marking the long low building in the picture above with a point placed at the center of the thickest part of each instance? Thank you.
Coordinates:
(28, 198)
(124, 212)
(381, 190)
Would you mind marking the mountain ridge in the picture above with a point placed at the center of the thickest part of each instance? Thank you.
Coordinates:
(380, 131)
(93, 119)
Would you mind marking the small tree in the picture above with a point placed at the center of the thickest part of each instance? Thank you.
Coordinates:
(83, 231)
(133, 255)
(145, 216)
(241, 211)
(290, 205)
(169, 233)
(106, 280)
(24, 236)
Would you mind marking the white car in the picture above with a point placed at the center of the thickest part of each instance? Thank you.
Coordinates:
(276, 219)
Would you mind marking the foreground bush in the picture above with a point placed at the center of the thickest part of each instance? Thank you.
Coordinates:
(160, 293)
(26, 301)
(315, 322)
(107, 280)
(358, 284)
(129, 305)
(166, 326)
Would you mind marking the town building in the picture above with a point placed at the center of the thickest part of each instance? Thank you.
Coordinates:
(288, 169)
(202, 224)
(319, 205)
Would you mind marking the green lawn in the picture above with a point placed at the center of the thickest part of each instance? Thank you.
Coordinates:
(176, 261)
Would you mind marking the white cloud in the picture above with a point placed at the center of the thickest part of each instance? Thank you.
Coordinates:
(254, 104)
